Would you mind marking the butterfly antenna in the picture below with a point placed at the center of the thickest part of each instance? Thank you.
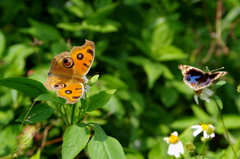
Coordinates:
(215, 69)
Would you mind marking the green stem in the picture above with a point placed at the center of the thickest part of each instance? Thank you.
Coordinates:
(62, 115)
(19, 131)
(73, 114)
(226, 131)
(202, 150)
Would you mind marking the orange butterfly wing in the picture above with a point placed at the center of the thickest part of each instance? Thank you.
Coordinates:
(67, 72)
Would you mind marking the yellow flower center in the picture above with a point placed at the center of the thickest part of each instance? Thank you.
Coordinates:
(173, 139)
(210, 130)
(205, 126)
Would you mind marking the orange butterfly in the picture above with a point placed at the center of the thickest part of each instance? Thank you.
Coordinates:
(68, 70)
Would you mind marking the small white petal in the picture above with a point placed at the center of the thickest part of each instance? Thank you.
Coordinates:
(212, 126)
(175, 133)
(196, 132)
(196, 127)
(171, 149)
(212, 135)
(166, 139)
(180, 147)
(207, 91)
(204, 97)
(205, 135)
(196, 98)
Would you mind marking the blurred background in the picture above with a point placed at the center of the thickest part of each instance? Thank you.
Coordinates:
(139, 45)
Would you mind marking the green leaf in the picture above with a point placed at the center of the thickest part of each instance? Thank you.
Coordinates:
(153, 71)
(93, 80)
(15, 59)
(38, 113)
(25, 85)
(113, 82)
(169, 53)
(2, 43)
(219, 84)
(200, 114)
(133, 154)
(99, 100)
(42, 31)
(102, 146)
(184, 122)
(74, 140)
(219, 101)
(8, 138)
(37, 155)
(159, 151)
(48, 97)
(168, 96)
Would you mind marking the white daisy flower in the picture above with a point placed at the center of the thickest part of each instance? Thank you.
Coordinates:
(207, 129)
(175, 145)
(204, 94)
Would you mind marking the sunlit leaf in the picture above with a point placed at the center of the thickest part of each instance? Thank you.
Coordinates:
(74, 140)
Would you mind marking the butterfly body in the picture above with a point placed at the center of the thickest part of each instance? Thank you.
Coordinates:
(68, 71)
(197, 79)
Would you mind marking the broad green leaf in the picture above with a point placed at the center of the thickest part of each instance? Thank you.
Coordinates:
(184, 122)
(38, 113)
(6, 116)
(78, 7)
(229, 154)
(113, 82)
(2, 43)
(133, 154)
(200, 114)
(102, 146)
(115, 107)
(169, 53)
(162, 35)
(153, 71)
(15, 59)
(159, 151)
(231, 121)
(219, 84)
(25, 85)
(168, 96)
(42, 31)
(99, 100)
(37, 155)
(211, 108)
(48, 97)
(8, 139)
(138, 102)
(74, 140)
(106, 27)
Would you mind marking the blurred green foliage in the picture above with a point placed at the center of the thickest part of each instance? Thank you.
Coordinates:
(139, 44)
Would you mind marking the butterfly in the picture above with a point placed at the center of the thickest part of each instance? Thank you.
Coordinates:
(197, 79)
(68, 71)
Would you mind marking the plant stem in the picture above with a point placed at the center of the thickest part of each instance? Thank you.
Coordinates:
(73, 115)
(226, 131)
(62, 115)
(202, 150)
